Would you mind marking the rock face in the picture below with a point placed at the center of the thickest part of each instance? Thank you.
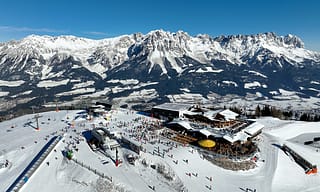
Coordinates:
(156, 65)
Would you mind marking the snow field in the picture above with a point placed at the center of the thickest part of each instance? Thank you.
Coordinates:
(181, 167)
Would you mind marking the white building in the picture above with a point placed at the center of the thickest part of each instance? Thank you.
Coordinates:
(101, 135)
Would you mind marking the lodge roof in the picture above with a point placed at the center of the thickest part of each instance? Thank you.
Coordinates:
(173, 106)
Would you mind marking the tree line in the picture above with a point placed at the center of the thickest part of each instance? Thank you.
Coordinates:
(268, 110)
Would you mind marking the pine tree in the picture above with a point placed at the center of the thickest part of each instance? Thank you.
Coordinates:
(235, 109)
(266, 111)
(304, 117)
(258, 111)
(276, 113)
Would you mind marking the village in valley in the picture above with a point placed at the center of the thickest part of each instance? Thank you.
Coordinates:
(172, 147)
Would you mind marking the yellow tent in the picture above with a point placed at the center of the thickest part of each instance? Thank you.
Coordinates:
(207, 143)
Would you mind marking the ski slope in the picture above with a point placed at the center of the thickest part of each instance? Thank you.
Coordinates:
(185, 167)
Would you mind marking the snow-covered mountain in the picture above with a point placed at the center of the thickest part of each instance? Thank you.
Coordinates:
(159, 64)
(48, 51)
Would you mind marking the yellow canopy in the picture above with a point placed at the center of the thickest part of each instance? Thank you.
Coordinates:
(207, 143)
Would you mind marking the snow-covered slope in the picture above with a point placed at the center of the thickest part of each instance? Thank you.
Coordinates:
(20, 143)
(96, 55)
(240, 49)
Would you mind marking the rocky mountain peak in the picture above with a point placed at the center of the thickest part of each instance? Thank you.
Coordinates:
(162, 62)
(293, 40)
(159, 47)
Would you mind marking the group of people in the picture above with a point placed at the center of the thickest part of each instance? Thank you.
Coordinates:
(5, 164)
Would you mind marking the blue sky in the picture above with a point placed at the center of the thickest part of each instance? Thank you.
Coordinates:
(108, 18)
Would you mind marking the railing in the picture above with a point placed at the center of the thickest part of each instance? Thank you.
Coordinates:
(95, 171)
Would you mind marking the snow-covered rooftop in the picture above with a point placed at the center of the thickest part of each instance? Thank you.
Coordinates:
(182, 123)
(254, 128)
(228, 114)
(211, 114)
(173, 106)
(240, 136)
(308, 153)
(205, 132)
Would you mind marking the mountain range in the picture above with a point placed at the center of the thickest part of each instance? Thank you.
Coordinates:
(156, 67)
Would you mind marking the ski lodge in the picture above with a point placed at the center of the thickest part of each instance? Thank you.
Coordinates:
(169, 111)
(96, 110)
(204, 123)
(236, 133)
(107, 106)
(99, 108)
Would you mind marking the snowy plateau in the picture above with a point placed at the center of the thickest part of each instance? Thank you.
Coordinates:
(180, 168)
(38, 70)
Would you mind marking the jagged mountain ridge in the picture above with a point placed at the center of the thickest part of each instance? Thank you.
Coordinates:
(236, 64)
(237, 49)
